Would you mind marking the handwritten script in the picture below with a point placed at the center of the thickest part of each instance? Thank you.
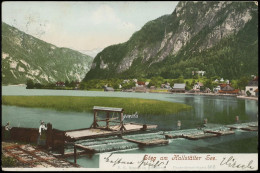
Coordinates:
(232, 162)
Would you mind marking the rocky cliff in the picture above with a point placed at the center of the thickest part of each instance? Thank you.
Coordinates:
(220, 38)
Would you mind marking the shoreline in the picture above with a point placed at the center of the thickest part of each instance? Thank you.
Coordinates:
(249, 98)
(186, 93)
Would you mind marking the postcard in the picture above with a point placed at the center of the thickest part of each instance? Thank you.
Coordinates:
(129, 86)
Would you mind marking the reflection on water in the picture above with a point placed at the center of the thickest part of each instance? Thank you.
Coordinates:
(219, 109)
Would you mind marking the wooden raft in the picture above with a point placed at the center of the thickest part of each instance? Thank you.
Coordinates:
(199, 136)
(220, 132)
(250, 128)
(149, 142)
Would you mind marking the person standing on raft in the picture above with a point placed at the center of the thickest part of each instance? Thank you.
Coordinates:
(7, 134)
(42, 134)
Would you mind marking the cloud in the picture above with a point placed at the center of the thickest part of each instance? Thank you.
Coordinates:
(105, 15)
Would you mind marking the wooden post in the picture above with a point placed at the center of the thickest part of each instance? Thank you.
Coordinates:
(94, 124)
(107, 121)
(75, 154)
(179, 124)
(121, 117)
(144, 127)
(63, 144)
(122, 128)
(237, 119)
(49, 135)
(95, 119)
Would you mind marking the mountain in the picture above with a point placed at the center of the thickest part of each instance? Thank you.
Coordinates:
(220, 38)
(26, 57)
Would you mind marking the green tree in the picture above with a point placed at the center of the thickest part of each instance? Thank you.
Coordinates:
(67, 83)
(208, 84)
(188, 86)
(156, 81)
(29, 84)
(38, 85)
(242, 82)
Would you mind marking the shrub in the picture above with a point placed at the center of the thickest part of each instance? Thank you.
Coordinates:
(8, 161)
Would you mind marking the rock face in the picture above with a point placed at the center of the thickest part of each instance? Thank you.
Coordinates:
(26, 57)
(195, 36)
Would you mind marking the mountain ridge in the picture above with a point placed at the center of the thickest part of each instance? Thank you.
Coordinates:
(167, 45)
(27, 57)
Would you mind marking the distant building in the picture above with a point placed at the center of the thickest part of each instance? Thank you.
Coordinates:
(199, 72)
(60, 84)
(126, 81)
(152, 87)
(256, 92)
(108, 89)
(77, 83)
(217, 88)
(198, 86)
(178, 87)
(166, 86)
(227, 81)
(140, 89)
(207, 90)
(252, 86)
(228, 89)
(140, 83)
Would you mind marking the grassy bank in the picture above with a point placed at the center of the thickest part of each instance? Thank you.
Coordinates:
(85, 104)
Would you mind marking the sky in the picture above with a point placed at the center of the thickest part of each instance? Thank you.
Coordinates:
(85, 26)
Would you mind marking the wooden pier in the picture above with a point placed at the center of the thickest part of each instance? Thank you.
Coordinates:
(96, 130)
(103, 132)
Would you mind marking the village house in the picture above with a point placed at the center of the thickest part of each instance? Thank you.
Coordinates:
(178, 87)
(216, 89)
(147, 83)
(60, 84)
(227, 89)
(256, 92)
(126, 81)
(152, 87)
(252, 86)
(200, 72)
(198, 87)
(108, 88)
(207, 90)
(77, 85)
(140, 84)
(140, 89)
(166, 86)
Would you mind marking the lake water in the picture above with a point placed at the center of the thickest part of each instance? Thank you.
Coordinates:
(217, 109)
